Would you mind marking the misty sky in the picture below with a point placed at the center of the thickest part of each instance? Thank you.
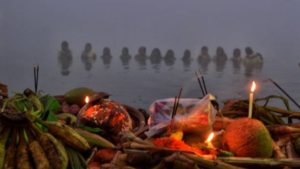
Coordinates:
(270, 26)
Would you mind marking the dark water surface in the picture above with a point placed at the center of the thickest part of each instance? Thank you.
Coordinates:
(31, 32)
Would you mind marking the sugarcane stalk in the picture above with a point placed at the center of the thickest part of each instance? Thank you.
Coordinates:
(282, 129)
(249, 162)
(214, 164)
(290, 150)
(277, 150)
(282, 111)
(282, 141)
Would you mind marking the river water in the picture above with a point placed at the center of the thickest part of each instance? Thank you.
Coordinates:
(31, 33)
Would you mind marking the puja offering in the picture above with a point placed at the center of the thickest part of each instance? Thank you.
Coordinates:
(85, 129)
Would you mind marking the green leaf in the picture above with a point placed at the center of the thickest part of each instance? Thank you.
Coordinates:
(52, 117)
(90, 129)
(50, 104)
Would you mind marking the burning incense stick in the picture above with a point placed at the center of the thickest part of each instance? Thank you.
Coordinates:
(34, 73)
(172, 117)
(284, 92)
(203, 81)
(175, 111)
(37, 77)
(200, 84)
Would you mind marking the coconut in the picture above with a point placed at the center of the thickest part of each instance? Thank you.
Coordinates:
(248, 138)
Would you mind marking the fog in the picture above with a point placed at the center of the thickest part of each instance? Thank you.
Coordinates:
(31, 32)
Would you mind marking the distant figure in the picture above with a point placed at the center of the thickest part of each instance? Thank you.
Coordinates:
(88, 52)
(65, 59)
(204, 59)
(155, 57)
(187, 58)
(65, 51)
(236, 55)
(142, 54)
(88, 57)
(220, 55)
(125, 57)
(106, 57)
(141, 57)
(169, 57)
(252, 62)
(236, 60)
(250, 58)
(204, 54)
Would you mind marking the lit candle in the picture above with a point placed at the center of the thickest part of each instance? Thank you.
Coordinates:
(87, 99)
(208, 141)
(251, 100)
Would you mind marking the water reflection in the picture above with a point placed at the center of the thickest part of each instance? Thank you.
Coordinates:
(88, 57)
(125, 58)
(170, 59)
(155, 59)
(204, 59)
(65, 58)
(141, 57)
(186, 59)
(106, 58)
(236, 61)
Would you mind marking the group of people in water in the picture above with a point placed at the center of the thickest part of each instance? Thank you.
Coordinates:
(88, 56)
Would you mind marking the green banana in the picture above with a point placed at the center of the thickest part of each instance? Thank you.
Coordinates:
(37, 152)
(95, 139)
(66, 134)
(54, 150)
(23, 154)
(11, 152)
(3, 140)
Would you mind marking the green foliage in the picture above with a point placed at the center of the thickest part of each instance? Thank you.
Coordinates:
(89, 129)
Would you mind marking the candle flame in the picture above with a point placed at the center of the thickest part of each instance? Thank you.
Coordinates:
(210, 137)
(86, 99)
(253, 86)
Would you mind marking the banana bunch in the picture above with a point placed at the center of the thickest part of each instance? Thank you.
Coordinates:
(25, 145)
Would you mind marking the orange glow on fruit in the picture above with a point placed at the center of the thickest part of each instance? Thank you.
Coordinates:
(210, 138)
(253, 86)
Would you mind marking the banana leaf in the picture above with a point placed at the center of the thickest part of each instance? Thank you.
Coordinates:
(51, 105)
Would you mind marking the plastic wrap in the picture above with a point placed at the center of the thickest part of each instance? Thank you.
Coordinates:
(193, 115)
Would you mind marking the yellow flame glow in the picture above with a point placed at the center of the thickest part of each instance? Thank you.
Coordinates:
(253, 86)
(87, 99)
(210, 137)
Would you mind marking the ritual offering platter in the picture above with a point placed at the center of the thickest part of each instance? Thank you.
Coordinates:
(85, 129)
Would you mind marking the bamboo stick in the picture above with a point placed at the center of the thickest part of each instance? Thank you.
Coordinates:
(261, 162)
(214, 164)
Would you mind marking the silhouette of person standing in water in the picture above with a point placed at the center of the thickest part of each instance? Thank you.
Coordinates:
(204, 59)
(125, 57)
(106, 57)
(187, 59)
(169, 58)
(251, 62)
(88, 57)
(236, 60)
(65, 58)
(155, 58)
(220, 59)
(141, 57)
